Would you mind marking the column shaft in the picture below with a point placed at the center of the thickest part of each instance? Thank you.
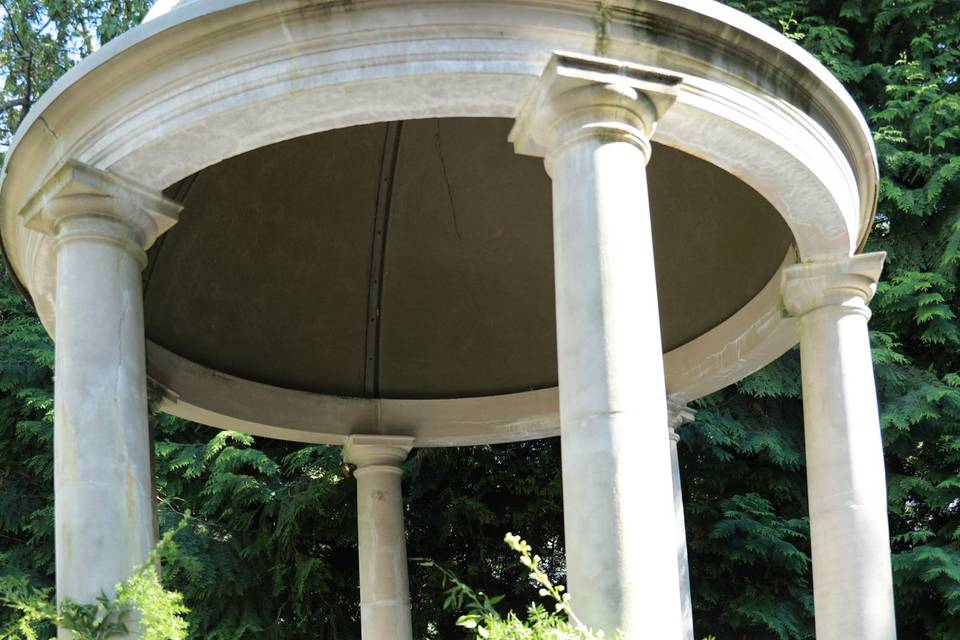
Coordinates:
(679, 414)
(617, 481)
(846, 484)
(592, 118)
(382, 545)
(853, 592)
(104, 504)
(100, 224)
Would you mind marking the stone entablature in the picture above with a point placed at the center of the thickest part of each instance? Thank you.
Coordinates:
(190, 96)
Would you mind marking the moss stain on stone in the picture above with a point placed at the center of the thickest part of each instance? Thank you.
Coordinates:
(601, 24)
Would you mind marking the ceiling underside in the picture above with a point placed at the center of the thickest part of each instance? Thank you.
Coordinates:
(414, 260)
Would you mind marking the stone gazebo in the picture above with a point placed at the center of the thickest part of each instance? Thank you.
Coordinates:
(369, 253)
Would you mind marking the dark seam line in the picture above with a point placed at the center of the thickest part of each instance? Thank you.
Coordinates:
(182, 190)
(446, 180)
(378, 246)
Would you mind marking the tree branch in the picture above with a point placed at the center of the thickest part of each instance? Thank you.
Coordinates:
(9, 104)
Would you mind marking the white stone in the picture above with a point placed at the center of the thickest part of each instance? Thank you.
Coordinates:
(678, 414)
(382, 544)
(849, 533)
(102, 458)
(592, 118)
(228, 76)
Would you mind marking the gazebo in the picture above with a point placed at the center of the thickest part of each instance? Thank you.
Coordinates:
(388, 224)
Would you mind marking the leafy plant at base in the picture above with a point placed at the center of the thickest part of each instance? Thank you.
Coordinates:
(484, 621)
(34, 609)
(159, 613)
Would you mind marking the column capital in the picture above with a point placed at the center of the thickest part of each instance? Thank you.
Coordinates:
(591, 96)
(848, 283)
(376, 450)
(678, 414)
(99, 204)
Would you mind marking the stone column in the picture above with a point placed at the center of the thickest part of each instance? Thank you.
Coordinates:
(849, 536)
(101, 225)
(592, 119)
(679, 414)
(382, 545)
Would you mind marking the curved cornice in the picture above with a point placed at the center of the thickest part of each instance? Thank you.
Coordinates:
(216, 78)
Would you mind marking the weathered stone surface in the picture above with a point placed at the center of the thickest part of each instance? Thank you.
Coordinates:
(679, 414)
(203, 81)
(207, 80)
(382, 544)
(100, 224)
(849, 533)
(617, 475)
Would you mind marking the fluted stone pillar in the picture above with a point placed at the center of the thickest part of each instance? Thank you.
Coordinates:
(102, 469)
(382, 545)
(679, 414)
(852, 582)
(592, 119)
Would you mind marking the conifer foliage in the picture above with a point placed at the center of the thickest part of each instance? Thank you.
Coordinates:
(271, 549)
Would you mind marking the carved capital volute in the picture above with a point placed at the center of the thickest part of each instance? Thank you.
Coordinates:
(586, 96)
(80, 201)
(845, 285)
(678, 414)
(367, 451)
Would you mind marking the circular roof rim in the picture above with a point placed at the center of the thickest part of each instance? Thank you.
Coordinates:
(253, 10)
(760, 346)
(264, 410)
(172, 15)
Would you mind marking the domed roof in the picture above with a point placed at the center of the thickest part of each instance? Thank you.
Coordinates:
(360, 248)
